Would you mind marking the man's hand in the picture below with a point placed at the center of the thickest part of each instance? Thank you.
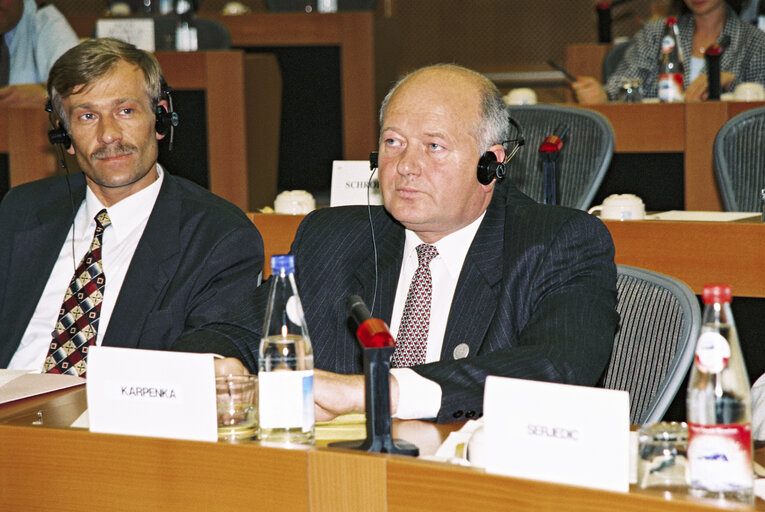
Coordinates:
(698, 89)
(24, 94)
(588, 91)
(335, 394)
(229, 366)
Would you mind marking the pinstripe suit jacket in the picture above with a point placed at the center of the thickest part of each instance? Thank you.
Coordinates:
(535, 299)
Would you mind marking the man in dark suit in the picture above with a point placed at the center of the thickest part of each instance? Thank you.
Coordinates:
(162, 255)
(518, 289)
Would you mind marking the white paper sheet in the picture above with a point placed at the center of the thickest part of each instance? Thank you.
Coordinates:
(683, 215)
(18, 384)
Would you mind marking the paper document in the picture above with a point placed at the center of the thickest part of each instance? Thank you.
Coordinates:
(18, 384)
(702, 216)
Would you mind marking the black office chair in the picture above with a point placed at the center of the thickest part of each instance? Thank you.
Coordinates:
(581, 164)
(654, 347)
(740, 161)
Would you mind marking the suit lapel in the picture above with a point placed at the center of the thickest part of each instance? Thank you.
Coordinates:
(475, 297)
(36, 249)
(149, 270)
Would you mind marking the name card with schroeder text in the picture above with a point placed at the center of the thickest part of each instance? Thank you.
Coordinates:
(557, 433)
(350, 181)
(152, 393)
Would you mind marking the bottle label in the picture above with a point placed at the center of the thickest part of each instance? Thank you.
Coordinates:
(667, 44)
(671, 87)
(712, 352)
(285, 399)
(720, 457)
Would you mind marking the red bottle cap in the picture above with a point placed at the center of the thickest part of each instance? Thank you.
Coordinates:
(713, 293)
(671, 21)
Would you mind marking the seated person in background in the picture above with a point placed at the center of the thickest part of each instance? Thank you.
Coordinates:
(161, 255)
(519, 289)
(701, 24)
(33, 38)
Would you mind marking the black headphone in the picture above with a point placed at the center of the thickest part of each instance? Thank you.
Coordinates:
(166, 120)
(488, 167)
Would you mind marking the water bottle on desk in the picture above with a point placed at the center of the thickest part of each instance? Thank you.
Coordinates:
(285, 365)
(719, 407)
(671, 64)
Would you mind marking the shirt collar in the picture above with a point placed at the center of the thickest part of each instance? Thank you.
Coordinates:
(452, 249)
(129, 213)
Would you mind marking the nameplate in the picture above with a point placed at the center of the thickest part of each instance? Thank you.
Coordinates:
(137, 31)
(558, 433)
(152, 393)
(350, 181)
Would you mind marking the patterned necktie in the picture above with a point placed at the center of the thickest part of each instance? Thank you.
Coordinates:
(412, 339)
(5, 62)
(78, 318)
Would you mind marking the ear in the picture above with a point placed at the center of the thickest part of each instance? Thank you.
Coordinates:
(163, 105)
(70, 149)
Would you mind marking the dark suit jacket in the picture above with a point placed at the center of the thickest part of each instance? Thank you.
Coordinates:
(198, 256)
(535, 299)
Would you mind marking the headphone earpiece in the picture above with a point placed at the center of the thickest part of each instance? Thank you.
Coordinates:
(489, 169)
(165, 120)
(57, 134)
(373, 160)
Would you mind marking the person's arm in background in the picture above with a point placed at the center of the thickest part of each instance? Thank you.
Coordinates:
(44, 36)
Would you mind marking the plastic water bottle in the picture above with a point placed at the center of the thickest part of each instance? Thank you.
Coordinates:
(285, 365)
(719, 407)
(671, 64)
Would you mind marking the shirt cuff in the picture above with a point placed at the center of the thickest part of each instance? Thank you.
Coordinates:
(418, 397)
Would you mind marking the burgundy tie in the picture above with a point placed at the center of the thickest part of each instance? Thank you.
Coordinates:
(412, 339)
(77, 323)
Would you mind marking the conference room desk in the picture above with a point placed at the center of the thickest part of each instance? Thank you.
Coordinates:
(48, 466)
(24, 138)
(696, 252)
(688, 128)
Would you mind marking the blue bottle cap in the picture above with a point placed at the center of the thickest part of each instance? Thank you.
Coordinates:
(284, 262)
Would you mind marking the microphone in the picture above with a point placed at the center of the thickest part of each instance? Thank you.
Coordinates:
(371, 332)
(604, 18)
(712, 55)
(549, 151)
(554, 143)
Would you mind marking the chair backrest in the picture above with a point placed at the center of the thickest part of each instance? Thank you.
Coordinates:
(613, 58)
(740, 161)
(653, 350)
(583, 161)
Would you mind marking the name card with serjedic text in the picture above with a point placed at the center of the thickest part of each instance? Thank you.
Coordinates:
(137, 31)
(152, 393)
(557, 433)
(350, 181)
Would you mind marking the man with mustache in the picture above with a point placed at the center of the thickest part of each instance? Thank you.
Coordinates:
(153, 255)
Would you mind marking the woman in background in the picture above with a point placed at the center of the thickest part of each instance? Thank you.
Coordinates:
(701, 23)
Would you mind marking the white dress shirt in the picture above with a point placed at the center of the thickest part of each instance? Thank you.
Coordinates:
(120, 239)
(420, 397)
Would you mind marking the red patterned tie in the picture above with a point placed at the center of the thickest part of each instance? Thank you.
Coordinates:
(412, 339)
(77, 322)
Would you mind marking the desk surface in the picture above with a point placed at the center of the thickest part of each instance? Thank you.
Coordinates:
(137, 473)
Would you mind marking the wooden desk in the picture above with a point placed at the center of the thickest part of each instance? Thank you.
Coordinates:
(41, 465)
(220, 75)
(696, 252)
(688, 128)
(24, 137)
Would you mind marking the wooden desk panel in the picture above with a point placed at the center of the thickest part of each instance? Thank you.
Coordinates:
(696, 252)
(645, 128)
(24, 137)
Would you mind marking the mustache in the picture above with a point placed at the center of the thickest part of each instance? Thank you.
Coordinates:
(109, 151)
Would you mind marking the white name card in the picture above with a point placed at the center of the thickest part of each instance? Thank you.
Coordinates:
(152, 393)
(137, 31)
(557, 433)
(350, 181)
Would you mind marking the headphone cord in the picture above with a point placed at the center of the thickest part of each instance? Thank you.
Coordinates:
(374, 243)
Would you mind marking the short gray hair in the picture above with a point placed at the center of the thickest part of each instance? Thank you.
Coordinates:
(493, 126)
